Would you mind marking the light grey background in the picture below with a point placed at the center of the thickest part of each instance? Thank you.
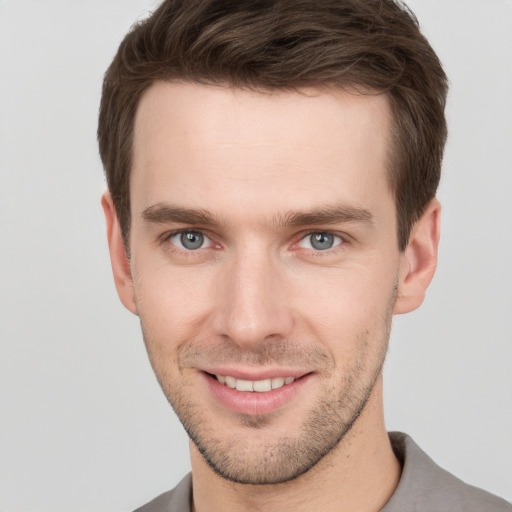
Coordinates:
(84, 426)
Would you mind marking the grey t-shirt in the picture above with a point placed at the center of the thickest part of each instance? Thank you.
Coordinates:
(423, 487)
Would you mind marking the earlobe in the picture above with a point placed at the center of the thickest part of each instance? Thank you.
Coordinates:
(118, 258)
(419, 260)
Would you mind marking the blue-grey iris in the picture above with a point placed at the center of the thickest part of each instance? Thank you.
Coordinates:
(192, 240)
(321, 241)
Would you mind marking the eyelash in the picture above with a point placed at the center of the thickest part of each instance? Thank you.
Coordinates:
(338, 240)
(166, 237)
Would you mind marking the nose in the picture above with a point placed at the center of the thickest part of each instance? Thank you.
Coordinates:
(252, 301)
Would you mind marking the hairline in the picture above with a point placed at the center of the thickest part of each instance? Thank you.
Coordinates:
(392, 137)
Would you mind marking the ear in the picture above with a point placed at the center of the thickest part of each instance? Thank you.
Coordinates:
(419, 260)
(118, 257)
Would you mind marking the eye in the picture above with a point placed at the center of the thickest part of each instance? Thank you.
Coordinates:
(320, 241)
(189, 240)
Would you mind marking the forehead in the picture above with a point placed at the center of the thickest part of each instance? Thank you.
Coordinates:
(224, 149)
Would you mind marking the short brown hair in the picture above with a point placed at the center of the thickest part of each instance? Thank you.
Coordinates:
(286, 44)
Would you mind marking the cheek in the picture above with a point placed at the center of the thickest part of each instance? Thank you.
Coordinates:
(336, 306)
(347, 306)
(172, 304)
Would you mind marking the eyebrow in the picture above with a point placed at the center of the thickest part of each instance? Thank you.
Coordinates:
(327, 215)
(162, 213)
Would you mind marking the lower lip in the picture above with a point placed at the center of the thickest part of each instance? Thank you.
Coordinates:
(254, 403)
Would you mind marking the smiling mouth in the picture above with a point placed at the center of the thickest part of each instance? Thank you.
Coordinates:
(259, 386)
(258, 397)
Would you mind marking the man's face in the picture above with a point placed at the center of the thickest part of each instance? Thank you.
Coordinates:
(263, 250)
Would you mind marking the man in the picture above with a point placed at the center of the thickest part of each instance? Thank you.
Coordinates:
(272, 169)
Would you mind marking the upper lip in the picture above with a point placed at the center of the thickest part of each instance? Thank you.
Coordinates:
(256, 374)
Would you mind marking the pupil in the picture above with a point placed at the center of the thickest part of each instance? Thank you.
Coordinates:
(192, 240)
(322, 241)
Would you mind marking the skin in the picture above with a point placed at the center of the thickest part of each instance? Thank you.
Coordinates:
(261, 172)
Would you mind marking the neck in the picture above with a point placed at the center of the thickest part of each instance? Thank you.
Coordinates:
(359, 475)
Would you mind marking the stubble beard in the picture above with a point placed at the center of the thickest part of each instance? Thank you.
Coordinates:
(248, 458)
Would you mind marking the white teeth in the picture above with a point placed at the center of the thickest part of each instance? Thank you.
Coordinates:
(277, 382)
(244, 385)
(230, 382)
(261, 386)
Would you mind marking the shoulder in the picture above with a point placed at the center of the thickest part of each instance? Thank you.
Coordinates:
(176, 500)
(424, 486)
